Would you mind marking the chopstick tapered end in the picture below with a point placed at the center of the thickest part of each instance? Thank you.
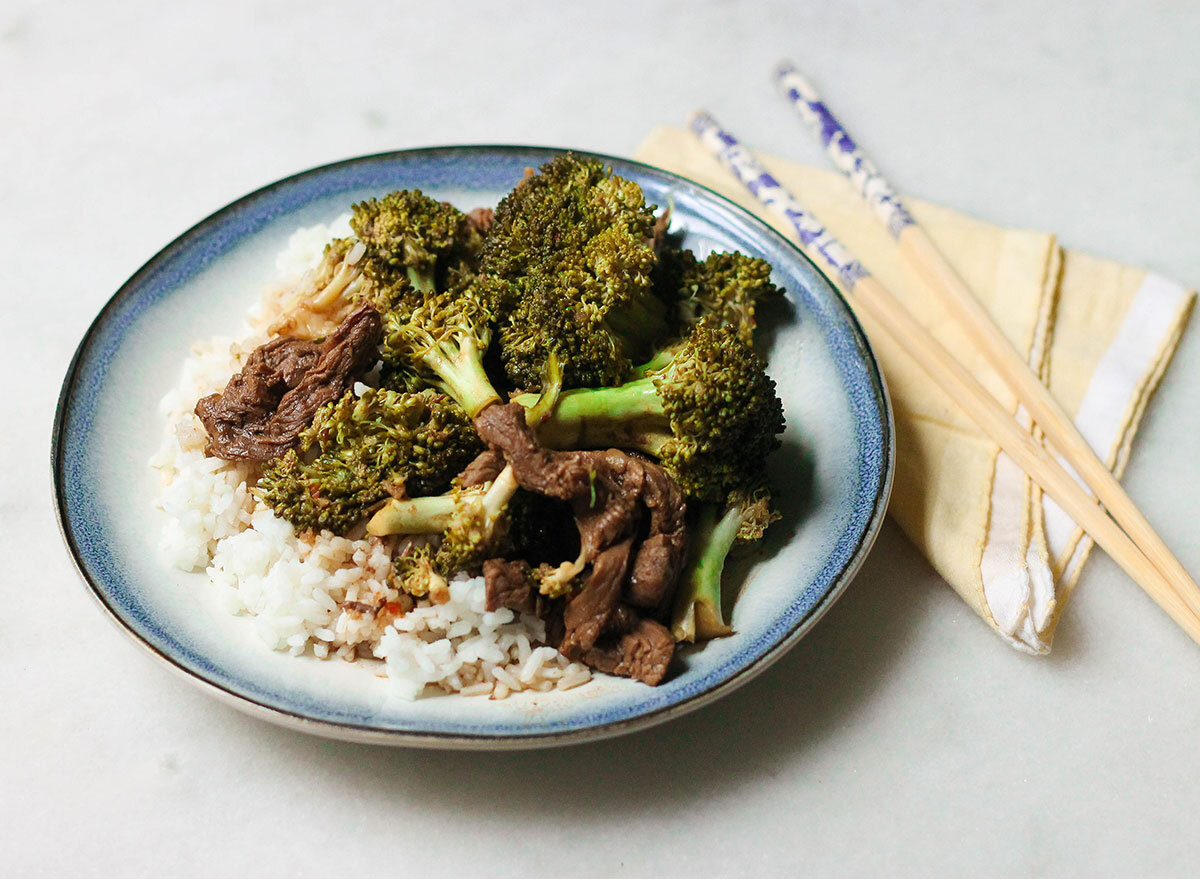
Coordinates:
(700, 121)
(784, 68)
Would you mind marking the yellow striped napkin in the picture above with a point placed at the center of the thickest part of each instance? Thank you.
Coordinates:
(1100, 333)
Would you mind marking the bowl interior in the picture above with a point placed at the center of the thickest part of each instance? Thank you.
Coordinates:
(831, 478)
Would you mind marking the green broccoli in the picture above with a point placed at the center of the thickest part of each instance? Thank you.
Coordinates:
(473, 521)
(358, 450)
(697, 614)
(443, 340)
(324, 494)
(483, 521)
(728, 285)
(710, 415)
(318, 302)
(414, 572)
(410, 237)
(571, 250)
(725, 286)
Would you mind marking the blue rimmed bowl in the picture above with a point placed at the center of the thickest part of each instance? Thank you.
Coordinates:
(832, 477)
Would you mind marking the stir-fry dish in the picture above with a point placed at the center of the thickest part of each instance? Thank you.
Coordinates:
(525, 440)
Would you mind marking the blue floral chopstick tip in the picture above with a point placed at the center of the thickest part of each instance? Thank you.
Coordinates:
(842, 150)
(763, 186)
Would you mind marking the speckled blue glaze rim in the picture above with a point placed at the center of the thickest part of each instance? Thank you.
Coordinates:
(461, 165)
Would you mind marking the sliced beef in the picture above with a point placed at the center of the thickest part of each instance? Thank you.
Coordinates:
(509, 584)
(485, 468)
(608, 506)
(607, 490)
(551, 613)
(603, 487)
(643, 653)
(610, 493)
(660, 557)
(287, 358)
(586, 614)
(481, 219)
(623, 619)
(557, 474)
(264, 408)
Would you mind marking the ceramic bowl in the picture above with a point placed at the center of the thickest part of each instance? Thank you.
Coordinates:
(832, 476)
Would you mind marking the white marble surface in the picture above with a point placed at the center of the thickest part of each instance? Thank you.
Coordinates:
(900, 738)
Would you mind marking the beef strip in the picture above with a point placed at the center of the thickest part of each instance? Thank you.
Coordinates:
(643, 653)
(481, 219)
(587, 613)
(508, 584)
(608, 491)
(485, 468)
(263, 409)
(287, 358)
(623, 619)
(603, 487)
(557, 474)
(660, 557)
(607, 507)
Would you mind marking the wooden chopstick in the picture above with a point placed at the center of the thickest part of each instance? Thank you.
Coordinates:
(932, 268)
(888, 316)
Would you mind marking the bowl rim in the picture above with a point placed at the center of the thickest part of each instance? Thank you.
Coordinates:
(467, 740)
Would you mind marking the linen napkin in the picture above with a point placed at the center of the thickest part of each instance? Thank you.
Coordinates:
(1100, 333)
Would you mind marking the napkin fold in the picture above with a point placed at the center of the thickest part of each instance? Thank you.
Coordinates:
(1101, 334)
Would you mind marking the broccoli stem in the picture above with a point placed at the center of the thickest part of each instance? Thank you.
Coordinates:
(661, 358)
(432, 515)
(635, 399)
(498, 494)
(342, 278)
(422, 515)
(547, 399)
(423, 282)
(697, 614)
(639, 323)
(462, 373)
(629, 416)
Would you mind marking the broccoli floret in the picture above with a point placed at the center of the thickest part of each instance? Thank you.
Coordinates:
(443, 340)
(414, 572)
(401, 378)
(472, 522)
(725, 288)
(710, 415)
(486, 520)
(358, 450)
(482, 522)
(572, 250)
(324, 494)
(410, 237)
(727, 285)
(425, 435)
(478, 526)
(697, 614)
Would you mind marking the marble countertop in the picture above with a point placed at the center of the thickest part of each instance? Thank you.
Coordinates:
(900, 738)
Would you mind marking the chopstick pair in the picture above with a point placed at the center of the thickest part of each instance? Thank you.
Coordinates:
(932, 268)
(1147, 560)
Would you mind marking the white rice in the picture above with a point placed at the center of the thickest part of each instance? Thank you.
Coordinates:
(323, 593)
